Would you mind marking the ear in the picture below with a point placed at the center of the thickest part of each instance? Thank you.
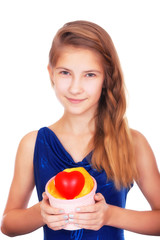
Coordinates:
(50, 71)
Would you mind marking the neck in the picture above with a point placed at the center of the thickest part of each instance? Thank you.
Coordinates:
(78, 124)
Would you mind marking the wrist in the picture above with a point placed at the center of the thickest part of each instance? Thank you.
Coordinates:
(111, 215)
(39, 212)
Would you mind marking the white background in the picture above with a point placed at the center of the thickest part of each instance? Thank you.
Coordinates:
(27, 101)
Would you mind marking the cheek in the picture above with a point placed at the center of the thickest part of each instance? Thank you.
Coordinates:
(60, 89)
(61, 86)
(95, 90)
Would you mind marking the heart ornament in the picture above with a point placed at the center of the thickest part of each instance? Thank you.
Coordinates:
(69, 184)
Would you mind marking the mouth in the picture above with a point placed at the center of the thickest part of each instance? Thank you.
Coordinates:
(75, 101)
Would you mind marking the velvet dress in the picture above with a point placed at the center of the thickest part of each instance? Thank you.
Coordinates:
(50, 157)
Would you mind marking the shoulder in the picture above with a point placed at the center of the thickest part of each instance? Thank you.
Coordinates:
(25, 153)
(144, 156)
(27, 143)
(29, 139)
(139, 141)
(137, 136)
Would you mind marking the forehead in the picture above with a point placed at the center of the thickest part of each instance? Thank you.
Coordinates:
(79, 56)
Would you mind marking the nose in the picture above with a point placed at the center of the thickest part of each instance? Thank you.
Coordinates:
(76, 86)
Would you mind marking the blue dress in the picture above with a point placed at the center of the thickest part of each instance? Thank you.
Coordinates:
(50, 157)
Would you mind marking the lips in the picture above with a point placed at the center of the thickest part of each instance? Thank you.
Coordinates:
(76, 101)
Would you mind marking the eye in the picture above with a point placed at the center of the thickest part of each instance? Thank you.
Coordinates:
(90, 75)
(64, 73)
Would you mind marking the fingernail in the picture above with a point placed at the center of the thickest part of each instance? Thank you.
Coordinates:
(71, 220)
(61, 211)
(77, 209)
(71, 216)
(66, 217)
(66, 221)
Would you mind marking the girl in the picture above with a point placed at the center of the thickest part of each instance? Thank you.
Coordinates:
(93, 133)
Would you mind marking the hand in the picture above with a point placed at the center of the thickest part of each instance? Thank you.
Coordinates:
(91, 217)
(55, 218)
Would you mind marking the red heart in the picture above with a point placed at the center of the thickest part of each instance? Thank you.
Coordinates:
(69, 184)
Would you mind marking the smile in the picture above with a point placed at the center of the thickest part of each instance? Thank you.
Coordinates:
(75, 101)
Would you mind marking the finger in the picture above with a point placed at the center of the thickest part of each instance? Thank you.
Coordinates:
(57, 219)
(57, 225)
(85, 223)
(44, 195)
(87, 226)
(86, 209)
(50, 210)
(45, 199)
(93, 224)
(91, 208)
(45, 206)
(55, 228)
(83, 216)
(98, 197)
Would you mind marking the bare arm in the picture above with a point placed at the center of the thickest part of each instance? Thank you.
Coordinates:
(17, 218)
(144, 222)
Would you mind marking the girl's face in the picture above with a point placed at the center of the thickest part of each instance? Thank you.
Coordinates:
(78, 77)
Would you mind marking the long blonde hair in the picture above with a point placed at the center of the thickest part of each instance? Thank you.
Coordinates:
(113, 147)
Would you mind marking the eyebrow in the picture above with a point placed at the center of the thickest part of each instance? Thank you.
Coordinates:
(87, 71)
(63, 68)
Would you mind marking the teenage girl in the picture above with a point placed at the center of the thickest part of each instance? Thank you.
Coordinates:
(93, 133)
